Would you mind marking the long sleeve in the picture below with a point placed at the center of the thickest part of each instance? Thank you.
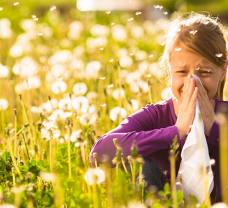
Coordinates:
(213, 137)
(141, 128)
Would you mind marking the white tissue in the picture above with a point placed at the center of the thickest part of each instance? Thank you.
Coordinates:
(195, 159)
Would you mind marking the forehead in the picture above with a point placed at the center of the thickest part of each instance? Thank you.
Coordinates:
(182, 55)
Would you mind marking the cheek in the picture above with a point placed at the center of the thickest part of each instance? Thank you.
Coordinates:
(177, 85)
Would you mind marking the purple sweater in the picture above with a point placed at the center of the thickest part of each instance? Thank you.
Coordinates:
(153, 129)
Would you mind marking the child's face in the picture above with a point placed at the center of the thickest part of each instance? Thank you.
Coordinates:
(184, 61)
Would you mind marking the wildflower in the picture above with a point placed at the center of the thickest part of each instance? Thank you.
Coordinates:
(99, 30)
(58, 87)
(52, 8)
(80, 104)
(94, 176)
(79, 88)
(117, 112)
(118, 93)
(3, 104)
(60, 57)
(125, 61)
(94, 43)
(4, 71)
(26, 67)
(75, 30)
(135, 204)
(48, 177)
(219, 205)
(166, 93)
(5, 28)
(75, 135)
(7, 206)
(92, 69)
(119, 33)
(134, 104)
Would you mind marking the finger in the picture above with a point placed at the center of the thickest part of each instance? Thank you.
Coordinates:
(191, 88)
(186, 83)
(194, 97)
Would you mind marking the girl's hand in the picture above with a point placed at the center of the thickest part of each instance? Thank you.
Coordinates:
(206, 107)
(187, 107)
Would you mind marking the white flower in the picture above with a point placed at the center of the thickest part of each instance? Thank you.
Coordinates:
(119, 33)
(48, 177)
(30, 83)
(117, 112)
(166, 93)
(61, 57)
(75, 30)
(118, 93)
(3, 104)
(4, 71)
(80, 104)
(79, 88)
(65, 103)
(94, 176)
(7, 206)
(134, 104)
(156, 71)
(136, 31)
(75, 135)
(58, 87)
(94, 43)
(92, 69)
(88, 118)
(99, 30)
(28, 25)
(26, 67)
(135, 204)
(5, 28)
(219, 205)
(125, 61)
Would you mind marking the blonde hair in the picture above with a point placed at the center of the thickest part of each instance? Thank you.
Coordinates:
(202, 34)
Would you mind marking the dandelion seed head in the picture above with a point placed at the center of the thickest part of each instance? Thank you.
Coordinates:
(94, 176)
(58, 87)
(80, 89)
(117, 112)
(4, 71)
(48, 177)
(3, 104)
(52, 8)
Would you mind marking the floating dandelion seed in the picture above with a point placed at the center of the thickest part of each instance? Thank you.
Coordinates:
(193, 32)
(3, 104)
(35, 18)
(178, 49)
(219, 55)
(130, 19)
(94, 176)
(138, 13)
(52, 8)
(158, 6)
(16, 3)
(108, 12)
(1, 9)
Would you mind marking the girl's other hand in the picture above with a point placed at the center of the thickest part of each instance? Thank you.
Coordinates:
(187, 107)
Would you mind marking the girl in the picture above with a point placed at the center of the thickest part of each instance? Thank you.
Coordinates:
(196, 46)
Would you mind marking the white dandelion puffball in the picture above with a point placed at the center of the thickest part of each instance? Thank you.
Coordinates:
(80, 88)
(119, 33)
(3, 104)
(166, 93)
(92, 69)
(4, 71)
(94, 176)
(116, 113)
(5, 28)
(75, 30)
(48, 177)
(125, 61)
(219, 205)
(118, 93)
(58, 87)
(99, 30)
